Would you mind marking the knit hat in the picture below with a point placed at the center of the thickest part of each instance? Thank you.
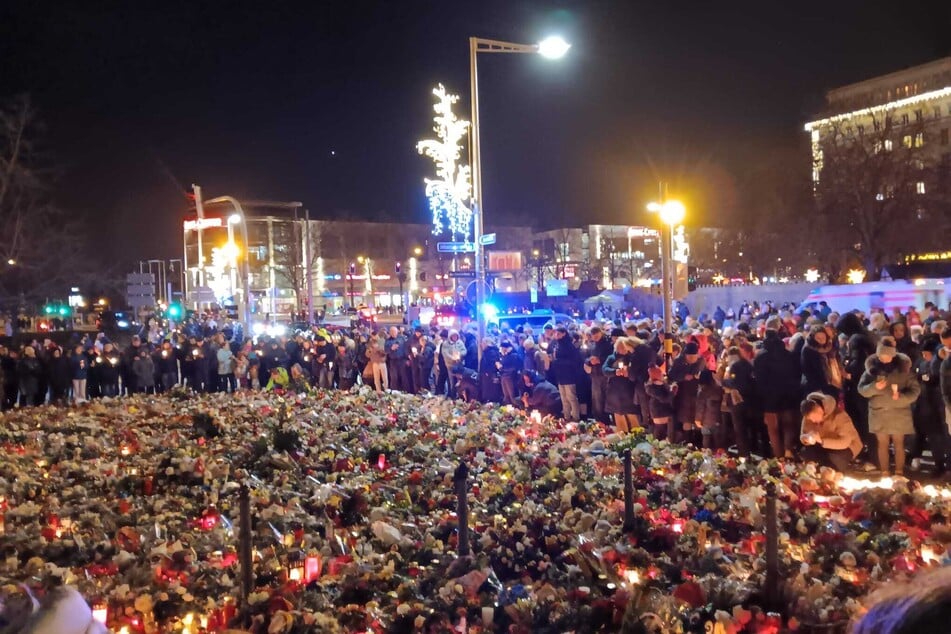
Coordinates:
(887, 347)
(655, 373)
(692, 348)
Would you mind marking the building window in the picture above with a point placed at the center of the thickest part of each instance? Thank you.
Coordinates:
(888, 145)
(906, 140)
(861, 129)
(917, 115)
(944, 136)
(920, 187)
(937, 112)
(904, 119)
(919, 139)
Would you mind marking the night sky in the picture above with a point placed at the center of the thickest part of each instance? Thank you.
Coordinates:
(323, 102)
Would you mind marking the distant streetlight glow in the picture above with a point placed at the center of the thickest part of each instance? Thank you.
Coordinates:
(12, 262)
(855, 276)
(553, 47)
(671, 212)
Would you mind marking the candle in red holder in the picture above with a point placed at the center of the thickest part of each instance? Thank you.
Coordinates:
(381, 462)
(312, 566)
(149, 485)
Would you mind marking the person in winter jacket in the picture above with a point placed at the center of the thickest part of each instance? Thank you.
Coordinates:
(164, 364)
(620, 392)
(777, 384)
(684, 371)
(143, 369)
(453, 350)
(903, 341)
(490, 384)
(930, 428)
(661, 399)
(739, 383)
(345, 367)
(59, 377)
(376, 354)
(510, 368)
(566, 365)
(860, 344)
(821, 370)
(79, 369)
(709, 403)
(827, 433)
(425, 361)
(540, 395)
(890, 385)
(598, 349)
(279, 380)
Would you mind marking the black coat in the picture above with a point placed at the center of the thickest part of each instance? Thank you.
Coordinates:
(28, 375)
(59, 373)
(685, 401)
(814, 366)
(489, 380)
(778, 382)
(566, 362)
(545, 398)
(619, 398)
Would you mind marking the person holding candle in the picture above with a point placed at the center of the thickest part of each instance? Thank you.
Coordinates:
(828, 436)
(620, 392)
(891, 387)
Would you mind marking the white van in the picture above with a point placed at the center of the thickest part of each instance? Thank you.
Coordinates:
(880, 296)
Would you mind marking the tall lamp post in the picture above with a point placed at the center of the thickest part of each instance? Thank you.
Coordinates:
(552, 48)
(671, 213)
(238, 217)
(401, 278)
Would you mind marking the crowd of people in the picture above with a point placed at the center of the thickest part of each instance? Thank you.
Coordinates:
(844, 390)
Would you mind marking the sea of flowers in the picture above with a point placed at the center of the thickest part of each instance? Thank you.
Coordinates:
(135, 503)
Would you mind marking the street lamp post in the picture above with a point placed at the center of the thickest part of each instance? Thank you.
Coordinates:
(238, 217)
(353, 270)
(401, 278)
(552, 48)
(671, 214)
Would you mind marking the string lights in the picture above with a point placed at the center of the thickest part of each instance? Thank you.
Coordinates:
(449, 193)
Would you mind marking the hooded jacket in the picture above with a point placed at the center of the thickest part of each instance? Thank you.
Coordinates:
(886, 414)
(836, 430)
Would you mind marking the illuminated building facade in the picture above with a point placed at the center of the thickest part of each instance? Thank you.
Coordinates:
(339, 263)
(918, 101)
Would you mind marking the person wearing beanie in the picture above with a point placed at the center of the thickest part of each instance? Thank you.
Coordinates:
(930, 430)
(684, 371)
(891, 388)
(777, 384)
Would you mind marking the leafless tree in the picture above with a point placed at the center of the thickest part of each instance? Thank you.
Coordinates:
(41, 249)
(877, 196)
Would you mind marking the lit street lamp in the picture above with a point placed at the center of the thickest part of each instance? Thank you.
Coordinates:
(238, 217)
(671, 213)
(551, 48)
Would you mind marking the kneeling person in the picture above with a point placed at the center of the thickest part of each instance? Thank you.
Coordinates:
(827, 432)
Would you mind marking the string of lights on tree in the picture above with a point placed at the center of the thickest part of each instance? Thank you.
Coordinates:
(450, 192)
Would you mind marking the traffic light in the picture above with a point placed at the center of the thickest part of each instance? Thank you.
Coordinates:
(49, 309)
(353, 269)
(174, 311)
(399, 265)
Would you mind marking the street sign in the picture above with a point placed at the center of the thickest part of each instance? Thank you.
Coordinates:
(534, 293)
(487, 239)
(455, 247)
(458, 274)
(140, 290)
(557, 288)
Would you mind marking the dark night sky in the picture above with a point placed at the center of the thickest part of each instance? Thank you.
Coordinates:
(250, 99)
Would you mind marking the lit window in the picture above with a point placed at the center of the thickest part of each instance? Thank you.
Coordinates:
(888, 145)
(906, 140)
(879, 197)
(920, 187)
(919, 139)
